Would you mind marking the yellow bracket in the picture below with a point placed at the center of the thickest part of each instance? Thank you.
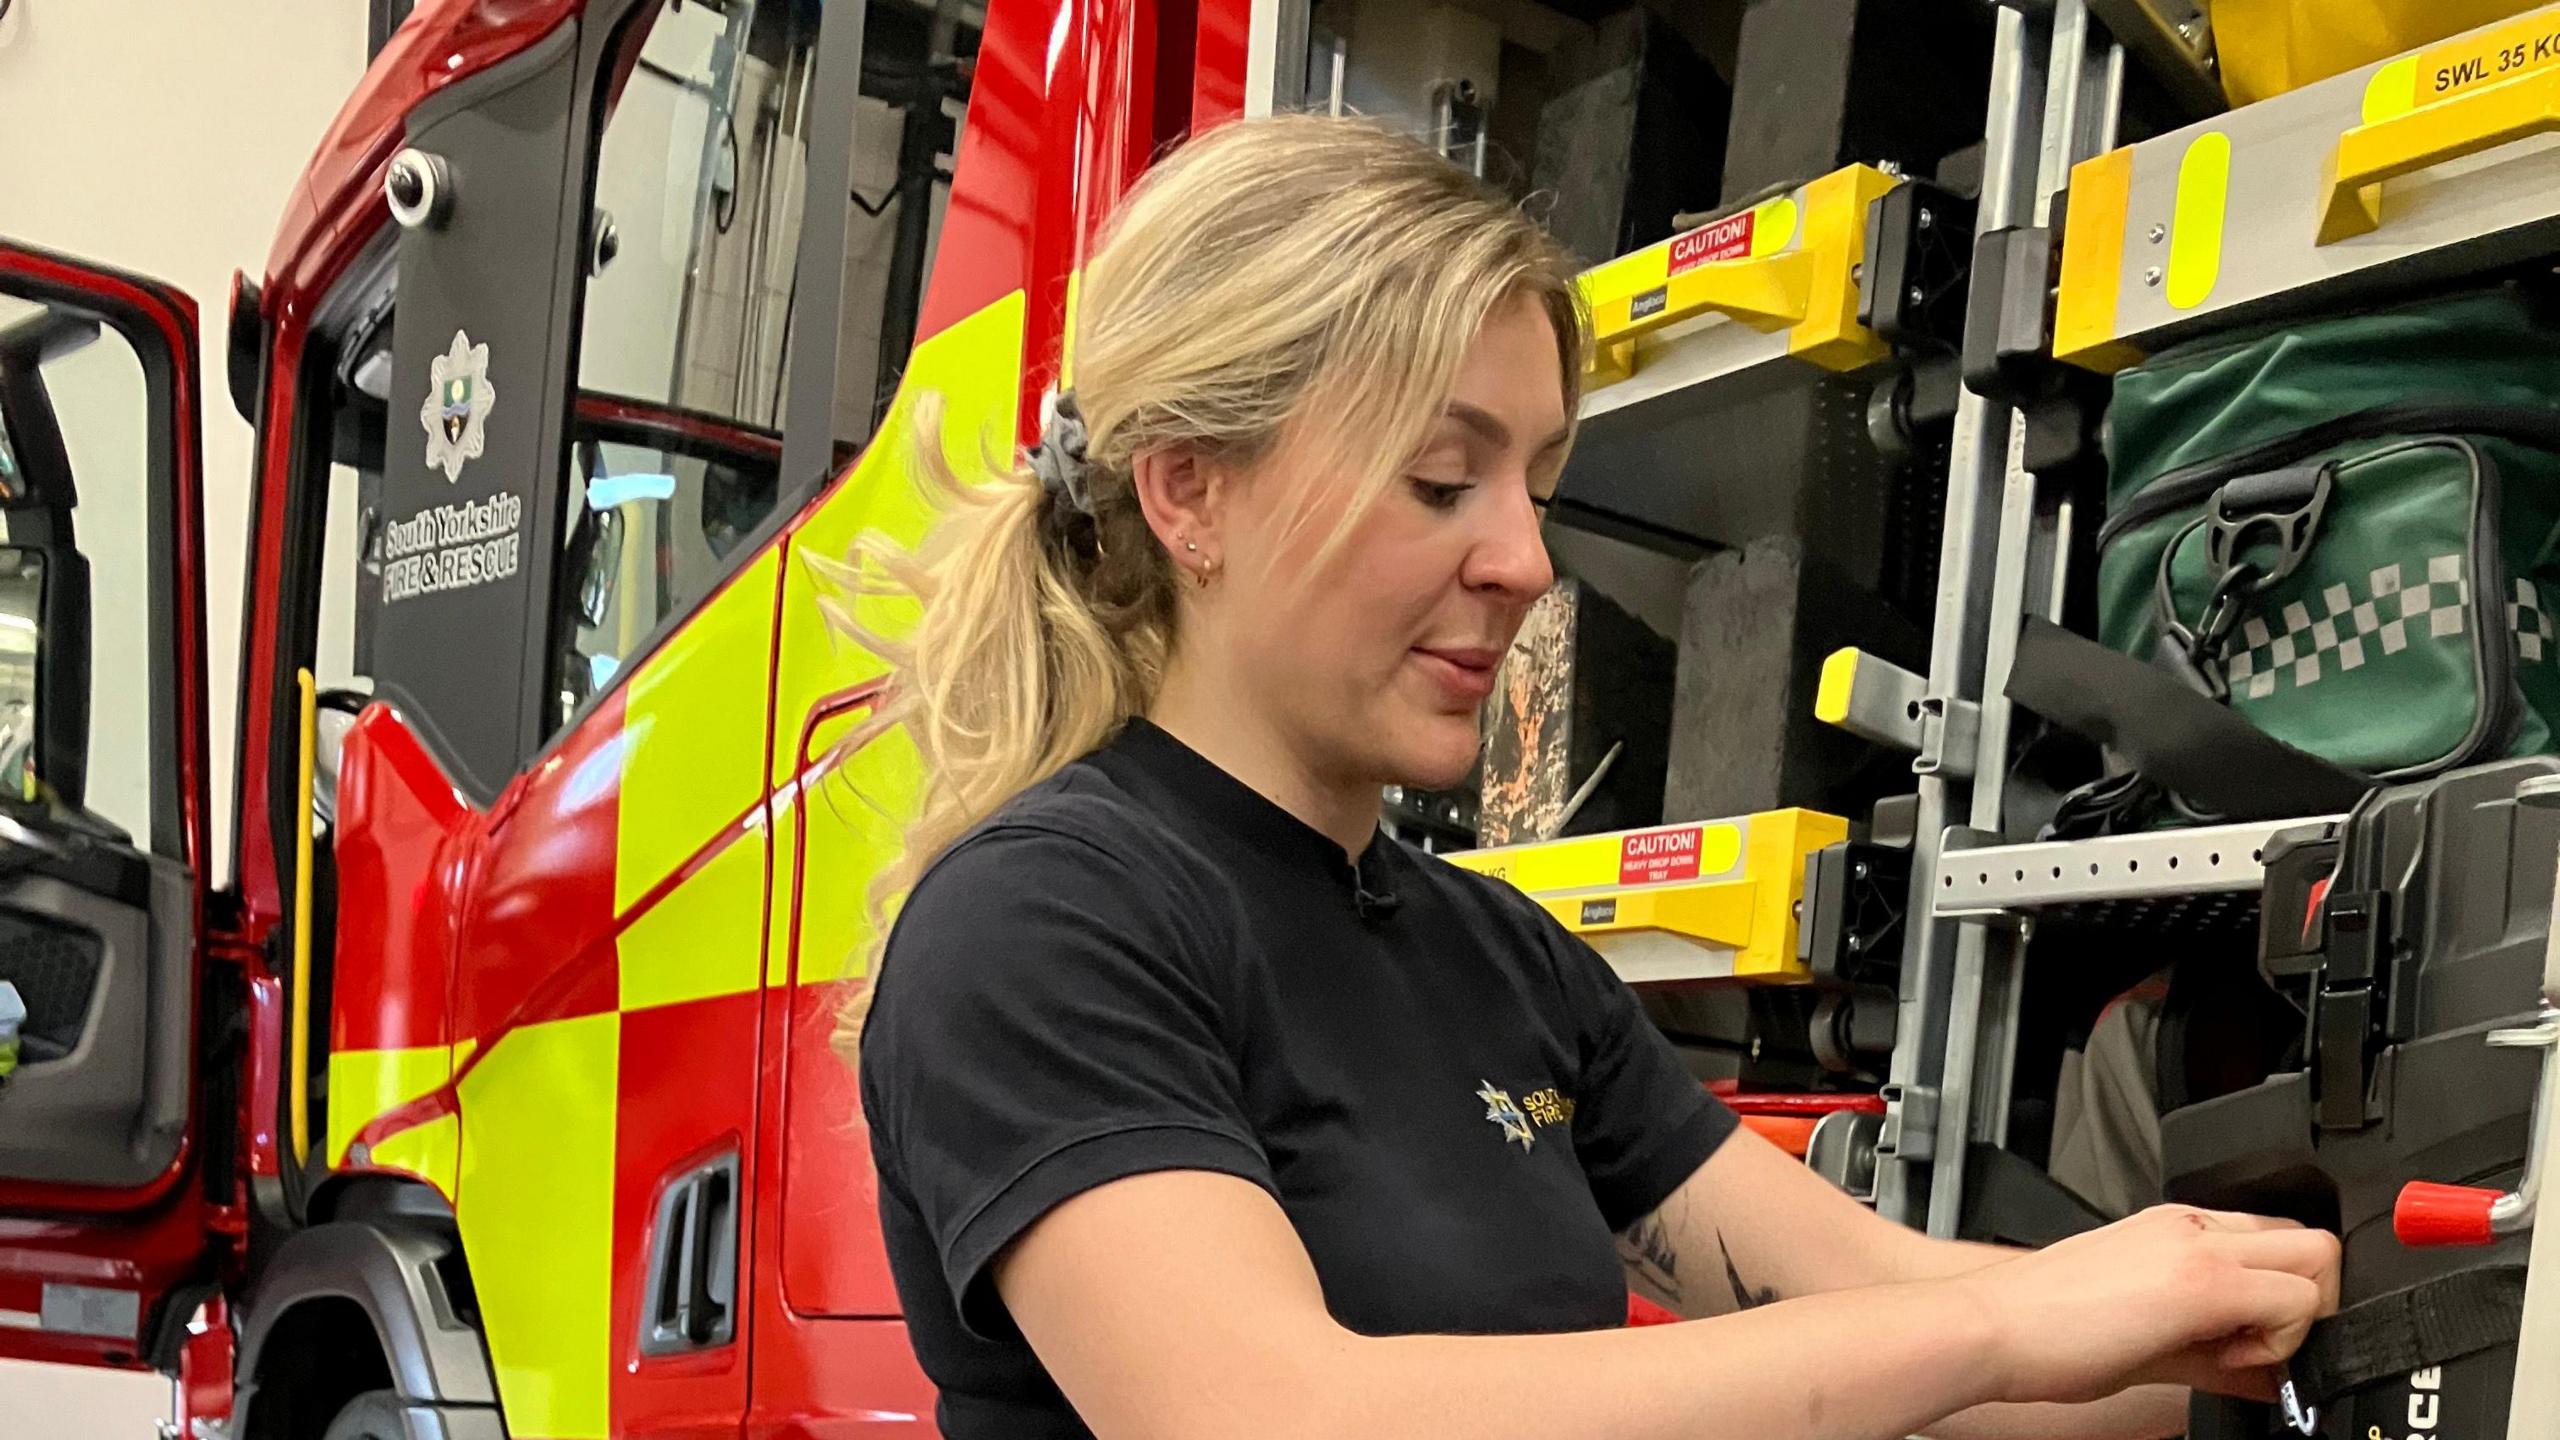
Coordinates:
(299, 1076)
(1718, 912)
(1738, 897)
(1766, 294)
(1800, 276)
(2386, 149)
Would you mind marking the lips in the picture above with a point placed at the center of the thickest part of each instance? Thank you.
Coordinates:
(1465, 671)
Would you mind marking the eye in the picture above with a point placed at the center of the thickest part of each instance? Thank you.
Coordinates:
(1438, 494)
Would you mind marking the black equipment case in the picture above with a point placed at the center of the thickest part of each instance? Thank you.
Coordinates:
(2405, 933)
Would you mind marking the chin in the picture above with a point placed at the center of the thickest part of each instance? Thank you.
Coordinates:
(1435, 752)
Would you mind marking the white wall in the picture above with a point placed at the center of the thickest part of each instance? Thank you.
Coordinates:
(162, 136)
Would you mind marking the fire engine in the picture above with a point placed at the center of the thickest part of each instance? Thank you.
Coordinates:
(492, 1093)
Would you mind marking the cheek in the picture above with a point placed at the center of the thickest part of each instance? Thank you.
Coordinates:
(1382, 594)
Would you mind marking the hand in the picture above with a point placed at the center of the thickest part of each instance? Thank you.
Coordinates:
(2178, 1295)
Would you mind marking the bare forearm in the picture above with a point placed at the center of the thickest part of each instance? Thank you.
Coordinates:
(2146, 1412)
(1773, 1371)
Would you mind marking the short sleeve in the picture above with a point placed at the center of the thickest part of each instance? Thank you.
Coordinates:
(1642, 1124)
(1041, 1029)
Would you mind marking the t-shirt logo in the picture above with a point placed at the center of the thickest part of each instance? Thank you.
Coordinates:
(1499, 1110)
(1520, 1120)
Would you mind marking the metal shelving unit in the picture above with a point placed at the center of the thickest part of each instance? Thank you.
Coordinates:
(2160, 870)
(2353, 186)
(2056, 82)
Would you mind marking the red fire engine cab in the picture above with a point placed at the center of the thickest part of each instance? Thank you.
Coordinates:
(492, 1094)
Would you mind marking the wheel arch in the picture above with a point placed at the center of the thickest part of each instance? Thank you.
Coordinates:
(382, 1277)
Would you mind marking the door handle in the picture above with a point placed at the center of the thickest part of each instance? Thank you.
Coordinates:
(693, 1261)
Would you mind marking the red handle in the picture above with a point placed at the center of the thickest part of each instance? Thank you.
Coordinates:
(2430, 1215)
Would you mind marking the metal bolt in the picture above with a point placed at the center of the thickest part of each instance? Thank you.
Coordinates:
(2151, 276)
(1851, 945)
(359, 1154)
(2187, 31)
(1927, 219)
(1858, 871)
(1916, 295)
(1797, 909)
(2159, 233)
(1857, 272)
(1395, 794)
(1755, 1047)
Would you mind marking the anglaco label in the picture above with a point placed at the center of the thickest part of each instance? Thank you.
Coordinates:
(1599, 912)
(1649, 304)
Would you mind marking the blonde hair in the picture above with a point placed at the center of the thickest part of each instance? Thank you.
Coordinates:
(1268, 272)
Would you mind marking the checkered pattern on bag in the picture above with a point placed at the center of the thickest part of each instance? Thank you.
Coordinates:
(2531, 622)
(2399, 605)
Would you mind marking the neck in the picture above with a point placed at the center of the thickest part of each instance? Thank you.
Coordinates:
(1239, 740)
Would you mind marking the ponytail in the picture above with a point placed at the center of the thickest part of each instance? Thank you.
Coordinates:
(1271, 269)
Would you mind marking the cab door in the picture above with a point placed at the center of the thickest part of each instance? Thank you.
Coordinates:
(110, 1158)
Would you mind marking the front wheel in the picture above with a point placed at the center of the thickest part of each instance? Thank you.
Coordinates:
(374, 1415)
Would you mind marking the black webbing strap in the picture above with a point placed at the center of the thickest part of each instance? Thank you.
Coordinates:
(2430, 1323)
(2202, 750)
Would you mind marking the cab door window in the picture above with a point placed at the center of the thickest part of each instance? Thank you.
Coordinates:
(76, 524)
(694, 253)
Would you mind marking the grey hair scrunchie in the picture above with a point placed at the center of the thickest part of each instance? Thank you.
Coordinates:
(1066, 476)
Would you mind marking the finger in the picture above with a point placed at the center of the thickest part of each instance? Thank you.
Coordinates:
(2244, 1223)
(2311, 1254)
(2248, 1350)
(2273, 1303)
(2244, 1382)
(2203, 1369)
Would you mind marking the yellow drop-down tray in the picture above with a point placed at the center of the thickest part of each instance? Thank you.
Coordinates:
(1706, 901)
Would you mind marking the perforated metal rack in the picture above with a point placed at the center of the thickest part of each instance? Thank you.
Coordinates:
(2055, 88)
(2174, 879)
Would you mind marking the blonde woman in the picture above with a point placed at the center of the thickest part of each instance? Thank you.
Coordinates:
(1202, 1110)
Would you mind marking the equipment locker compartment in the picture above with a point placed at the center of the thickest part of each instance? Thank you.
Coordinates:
(2393, 182)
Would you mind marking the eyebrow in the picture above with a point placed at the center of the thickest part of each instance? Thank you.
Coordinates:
(1488, 425)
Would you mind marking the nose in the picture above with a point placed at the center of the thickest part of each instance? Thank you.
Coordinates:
(1511, 556)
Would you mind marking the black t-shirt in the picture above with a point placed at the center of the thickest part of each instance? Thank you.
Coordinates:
(1143, 965)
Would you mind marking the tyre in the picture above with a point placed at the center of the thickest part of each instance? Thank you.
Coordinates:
(374, 1415)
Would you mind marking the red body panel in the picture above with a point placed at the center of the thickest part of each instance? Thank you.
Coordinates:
(702, 1083)
(400, 876)
(537, 932)
(1218, 92)
(832, 1263)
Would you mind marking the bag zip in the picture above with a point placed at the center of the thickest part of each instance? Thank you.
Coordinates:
(2191, 484)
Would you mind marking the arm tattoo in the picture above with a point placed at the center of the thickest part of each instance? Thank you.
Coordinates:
(1651, 1260)
(1744, 1297)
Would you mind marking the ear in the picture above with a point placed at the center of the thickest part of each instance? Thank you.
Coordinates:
(1182, 498)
